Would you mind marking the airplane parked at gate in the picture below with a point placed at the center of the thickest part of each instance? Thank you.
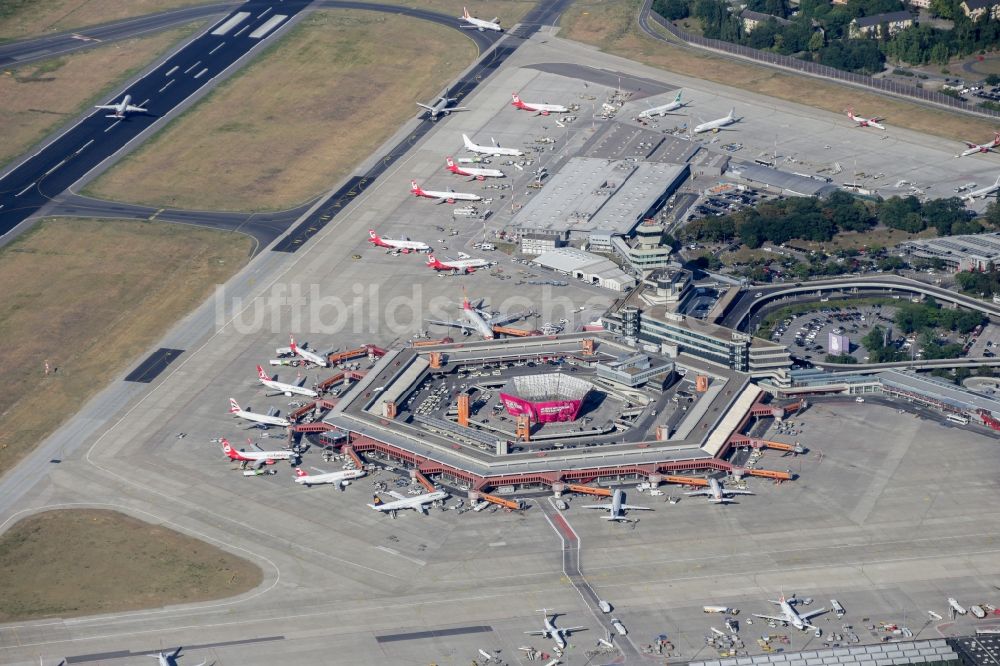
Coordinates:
(665, 108)
(341, 478)
(282, 388)
(442, 107)
(403, 245)
(974, 148)
(479, 320)
(791, 616)
(450, 196)
(417, 502)
(866, 122)
(122, 108)
(718, 123)
(258, 458)
(617, 507)
(476, 173)
(490, 150)
(306, 354)
(458, 265)
(480, 24)
(265, 420)
(717, 492)
(541, 109)
(558, 634)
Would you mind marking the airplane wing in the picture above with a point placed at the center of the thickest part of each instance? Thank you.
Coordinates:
(536, 633)
(273, 411)
(606, 507)
(771, 617)
(107, 107)
(630, 507)
(397, 495)
(566, 630)
(455, 324)
(425, 106)
(506, 318)
(806, 616)
(135, 109)
(699, 492)
(737, 492)
(968, 144)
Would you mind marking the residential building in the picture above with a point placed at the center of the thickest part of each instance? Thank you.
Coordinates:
(877, 24)
(977, 9)
(752, 19)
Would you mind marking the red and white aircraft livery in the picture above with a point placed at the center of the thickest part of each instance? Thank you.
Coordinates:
(341, 479)
(261, 419)
(541, 109)
(866, 122)
(463, 265)
(282, 388)
(403, 245)
(478, 320)
(480, 24)
(306, 355)
(258, 458)
(476, 173)
(974, 148)
(122, 108)
(443, 197)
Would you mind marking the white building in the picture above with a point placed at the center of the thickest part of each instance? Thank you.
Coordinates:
(587, 267)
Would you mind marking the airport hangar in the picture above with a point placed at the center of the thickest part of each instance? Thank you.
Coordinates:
(423, 408)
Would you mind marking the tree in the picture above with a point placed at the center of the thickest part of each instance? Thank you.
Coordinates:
(840, 358)
(943, 8)
(672, 10)
(816, 41)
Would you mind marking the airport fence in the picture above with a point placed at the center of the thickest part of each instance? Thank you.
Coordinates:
(810, 68)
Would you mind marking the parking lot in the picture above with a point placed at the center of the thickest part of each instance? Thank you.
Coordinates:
(807, 335)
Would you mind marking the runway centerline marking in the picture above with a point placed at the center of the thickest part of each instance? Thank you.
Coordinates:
(111, 126)
(172, 70)
(169, 83)
(192, 67)
(221, 44)
(81, 148)
(24, 190)
(55, 167)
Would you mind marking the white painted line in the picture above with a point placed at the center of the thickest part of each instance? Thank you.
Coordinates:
(145, 103)
(268, 25)
(192, 67)
(265, 12)
(199, 74)
(242, 30)
(169, 83)
(228, 25)
(393, 551)
(55, 167)
(221, 44)
(24, 190)
(81, 149)
(1, 205)
(111, 125)
(172, 70)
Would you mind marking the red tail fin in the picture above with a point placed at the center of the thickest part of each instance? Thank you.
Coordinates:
(291, 342)
(228, 449)
(415, 188)
(299, 472)
(261, 373)
(233, 407)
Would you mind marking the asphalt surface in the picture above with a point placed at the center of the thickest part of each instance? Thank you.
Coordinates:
(39, 48)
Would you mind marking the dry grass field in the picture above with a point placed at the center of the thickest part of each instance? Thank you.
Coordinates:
(20, 19)
(90, 296)
(612, 27)
(296, 120)
(36, 98)
(87, 561)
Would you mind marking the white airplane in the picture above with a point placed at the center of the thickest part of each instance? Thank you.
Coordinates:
(791, 616)
(479, 320)
(417, 502)
(489, 150)
(282, 388)
(458, 265)
(983, 191)
(718, 123)
(341, 478)
(450, 196)
(664, 109)
(403, 245)
(717, 492)
(865, 122)
(617, 507)
(480, 24)
(265, 420)
(541, 109)
(258, 458)
(957, 607)
(558, 634)
(121, 108)
(476, 173)
(170, 659)
(974, 148)
(307, 355)
(442, 107)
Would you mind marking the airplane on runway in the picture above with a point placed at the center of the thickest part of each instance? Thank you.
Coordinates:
(479, 24)
(718, 493)
(718, 123)
(479, 320)
(463, 265)
(341, 478)
(443, 197)
(791, 616)
(982, 192)
(121, 108)
(417, 502)
(541, 109)
(664, 109)
(307, 355)
(865, 122)
(282, 388)
(490, 150)
(558, 634)
(261, 420)
(258, 458)
(441, 107)
(404, 245)
(617, 507)
(475, 173)
(170, 659)
(974, 148)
